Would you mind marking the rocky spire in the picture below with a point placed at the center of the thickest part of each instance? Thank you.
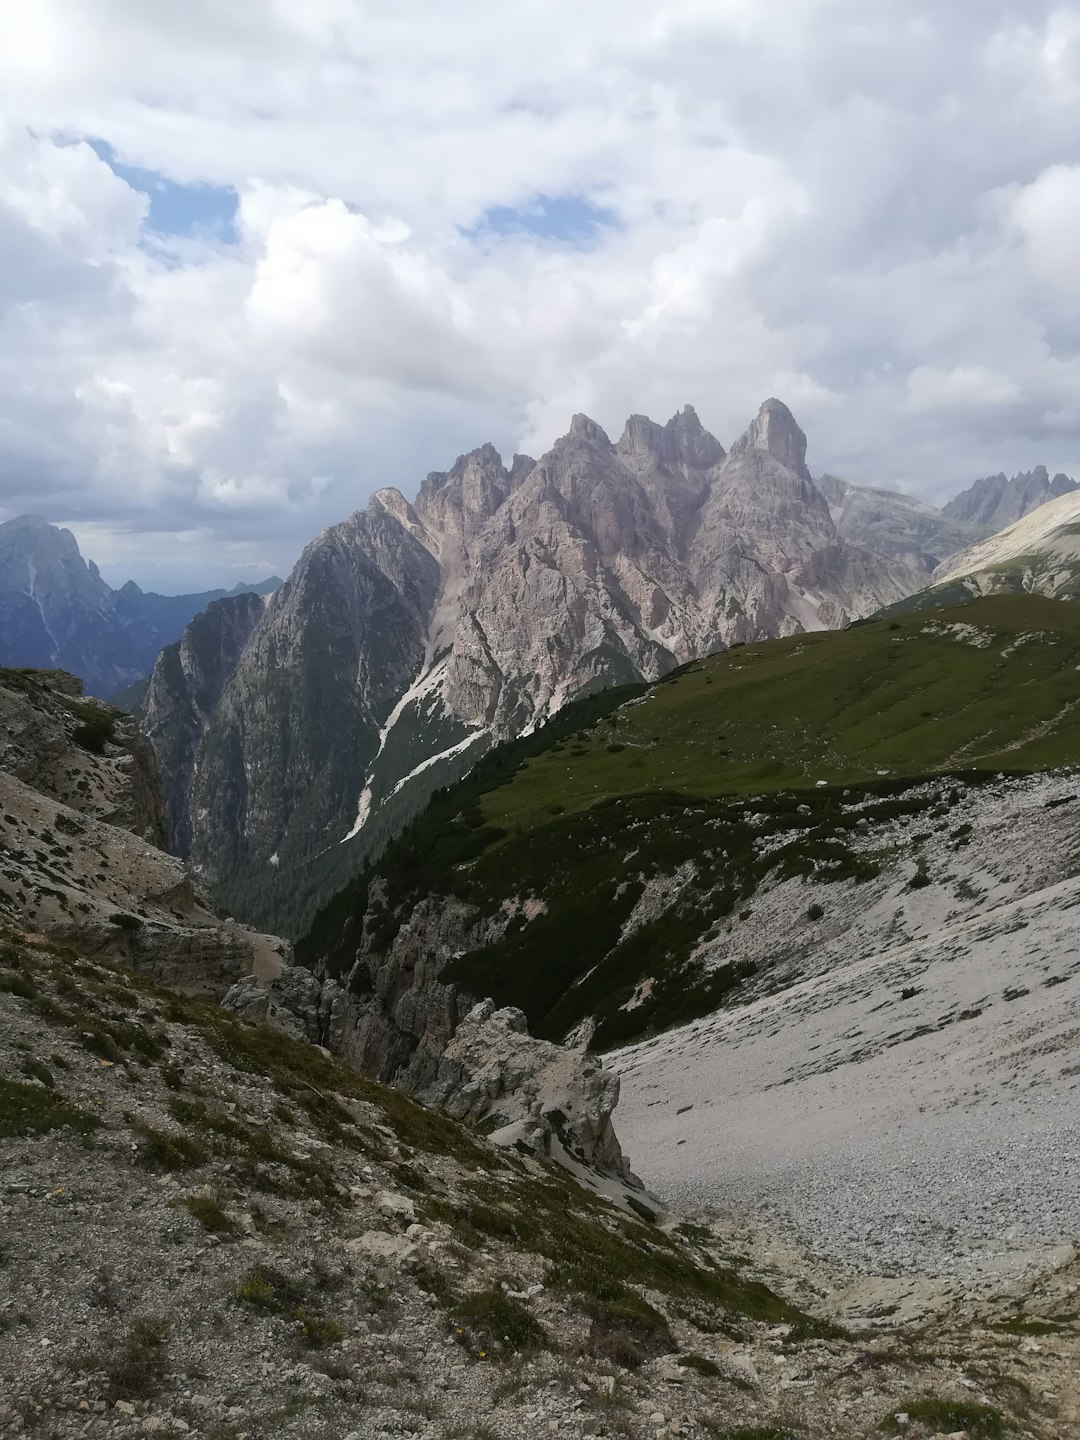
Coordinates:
(582, 428)
(775, 431)
(682, 441)
(693, 443)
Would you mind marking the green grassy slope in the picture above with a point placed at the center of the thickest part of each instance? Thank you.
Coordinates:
(837, 707)
(585, 815)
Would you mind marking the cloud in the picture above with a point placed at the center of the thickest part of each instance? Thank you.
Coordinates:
(257, 261)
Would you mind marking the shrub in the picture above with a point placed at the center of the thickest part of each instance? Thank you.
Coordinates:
(815, 912)
(38, 1070)
(34, 1110)
(209, 1214)
(265, 1288)
(981, 1422)
(316, 1331)
(628, 1331)
(492, 1321)
(159, 1151)
(698, 1363)
(138, 1362)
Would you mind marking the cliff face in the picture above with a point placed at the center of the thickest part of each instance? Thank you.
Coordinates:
(189, 679)
(413, 636)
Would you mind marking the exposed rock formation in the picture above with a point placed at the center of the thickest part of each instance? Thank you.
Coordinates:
(413, 636)
(81, 820)
(485, 1068)
(57, 611)
(897, 526)
(189, 679)
(550, 1098)
(997, 501)
(1039, 554)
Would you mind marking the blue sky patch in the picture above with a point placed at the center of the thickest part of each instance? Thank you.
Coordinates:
(189, 210)
(569, 218)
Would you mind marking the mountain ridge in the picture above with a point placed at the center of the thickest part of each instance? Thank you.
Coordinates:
(414, 634)
(56, 611)
(997, 501)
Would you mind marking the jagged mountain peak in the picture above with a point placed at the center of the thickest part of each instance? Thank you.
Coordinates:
(582, 428)
(393, 502)
(520, 468)
(775, 431)
(682, 441)
(997, 501)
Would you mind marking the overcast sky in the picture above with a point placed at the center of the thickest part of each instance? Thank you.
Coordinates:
(259, 259)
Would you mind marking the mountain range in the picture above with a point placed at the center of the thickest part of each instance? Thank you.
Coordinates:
(414, 635)
(996, 501)
(298, 731)
(57, 611)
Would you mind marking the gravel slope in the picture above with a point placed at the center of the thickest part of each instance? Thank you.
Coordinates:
(910, 1101)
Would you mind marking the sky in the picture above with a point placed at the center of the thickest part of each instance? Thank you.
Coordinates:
(257, 261)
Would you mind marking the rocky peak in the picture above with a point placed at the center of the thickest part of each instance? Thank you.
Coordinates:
(474, 487)
(521, 467)
(776, 432)
(582, 428)
(682, 443)
(693, 443)
(997, 501)
(394, 503)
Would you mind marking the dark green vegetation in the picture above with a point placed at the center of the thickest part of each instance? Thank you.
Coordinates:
(492, 1322)
(34, 1109)
(96, 727)
(981, 1422)
(136, 1360)
(759, 762)
(264, 1288)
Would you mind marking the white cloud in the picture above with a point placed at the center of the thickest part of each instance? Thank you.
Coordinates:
(865, 208)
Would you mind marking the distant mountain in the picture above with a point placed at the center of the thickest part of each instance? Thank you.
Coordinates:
(897, 526)
(1039, 554)
(996, 501)
(413, 636)
(57, 612)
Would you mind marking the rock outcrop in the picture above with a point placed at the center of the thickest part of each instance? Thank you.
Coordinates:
(81, 825)
(484, 1068)
(190, 677)
(551, 1099)
(413, 636)
(897, 526)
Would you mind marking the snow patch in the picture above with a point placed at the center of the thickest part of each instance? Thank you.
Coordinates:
(442, 755)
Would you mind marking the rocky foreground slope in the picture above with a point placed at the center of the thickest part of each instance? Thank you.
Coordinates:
(414, 635)
(215, 1231)
(82, 831)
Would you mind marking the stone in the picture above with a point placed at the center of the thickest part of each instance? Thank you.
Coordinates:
(377, 1245)
(396, 1207)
